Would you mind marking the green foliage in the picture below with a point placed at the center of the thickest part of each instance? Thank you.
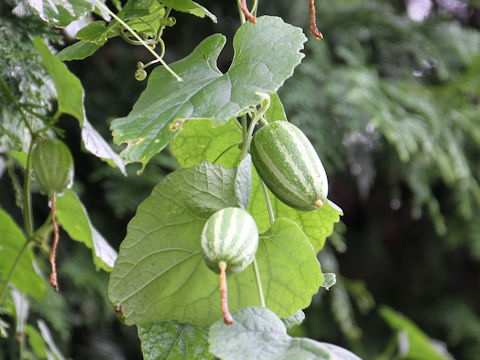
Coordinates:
(416, 344)
(14, 248)
(59, 13)
(70, 101)
(387, 98)
(172, 340)
(397, 87)
(260, 334)
(73, 217)
(148, 18)
(23, 72)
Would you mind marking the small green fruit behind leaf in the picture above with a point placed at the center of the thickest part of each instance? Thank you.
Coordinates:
(229, 235)
(289, 165)
(52, 166)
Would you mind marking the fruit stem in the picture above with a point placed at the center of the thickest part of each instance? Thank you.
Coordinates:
(264, 105)
(313, 25)
(242, 17)
(246, 12)
(259, 282)
(225, 151)
(269, 203)
(53, 252)
(27, 206)
(227, 317)
(126, 26)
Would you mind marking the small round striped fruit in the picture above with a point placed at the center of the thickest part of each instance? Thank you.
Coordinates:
(289, 165)
(229, 235)
(52, 166)
(229, 243)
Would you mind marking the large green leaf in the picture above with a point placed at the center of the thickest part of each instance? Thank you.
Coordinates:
(25, 278)
(265, 56)
(160, 273)
(73, 218)
(259, 334)
(171, 340)
(418, 345)
(70, 101)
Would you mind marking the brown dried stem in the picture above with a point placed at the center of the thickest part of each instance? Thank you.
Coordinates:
(53, 252)
(250, 17)
(227, 317)
(313, 25)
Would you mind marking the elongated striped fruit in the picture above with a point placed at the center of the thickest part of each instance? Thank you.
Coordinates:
(289, 165)
(52, 166)
(229, 235)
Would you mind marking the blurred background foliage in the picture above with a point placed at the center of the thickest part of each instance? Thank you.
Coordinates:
(391, 101)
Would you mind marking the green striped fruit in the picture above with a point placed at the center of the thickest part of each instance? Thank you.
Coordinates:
(230, 235)
(289, 166)
(52, 166)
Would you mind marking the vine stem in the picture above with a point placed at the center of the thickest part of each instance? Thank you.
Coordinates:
(227, 317)
(265, 104)
(124, 24)
(12, 269)
(53, 252)
(27, 206)
(271, 215)
(259, 282)
(242, 16)
(250, 17)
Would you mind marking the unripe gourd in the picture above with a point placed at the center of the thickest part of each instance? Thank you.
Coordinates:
(289, 165)
(52, 166)
(229, 235)
(229, 242)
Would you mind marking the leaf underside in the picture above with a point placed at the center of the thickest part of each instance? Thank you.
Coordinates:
(259, 334)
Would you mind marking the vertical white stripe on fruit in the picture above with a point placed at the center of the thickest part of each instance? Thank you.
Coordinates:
(298, 144)
(229, 228)
(272, 167)
(217, 230)
(311, 160)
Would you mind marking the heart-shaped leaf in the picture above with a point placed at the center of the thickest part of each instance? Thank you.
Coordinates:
(160, 274)
(265, 56)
